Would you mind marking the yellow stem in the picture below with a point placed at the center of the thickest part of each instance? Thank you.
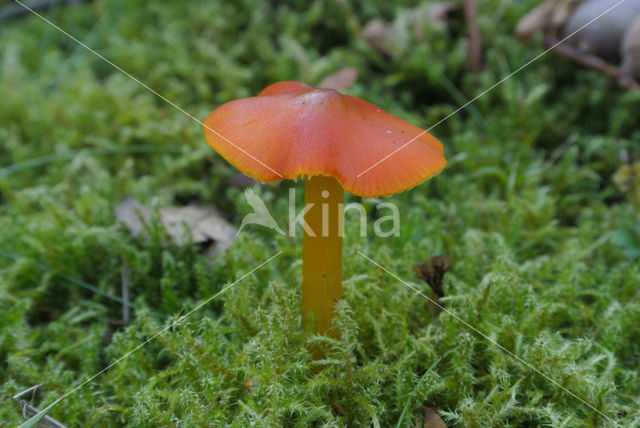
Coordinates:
(322, 253)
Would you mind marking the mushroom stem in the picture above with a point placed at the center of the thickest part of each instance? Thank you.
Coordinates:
(322, 253)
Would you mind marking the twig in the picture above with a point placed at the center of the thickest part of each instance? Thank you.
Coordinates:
(592, 61)
(475, 42)
(28, 408)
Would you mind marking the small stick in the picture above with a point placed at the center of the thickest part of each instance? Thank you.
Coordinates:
(592, 61)
(28, 408)
(475, 42)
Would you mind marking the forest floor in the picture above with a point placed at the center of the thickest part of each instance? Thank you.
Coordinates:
(546, 246)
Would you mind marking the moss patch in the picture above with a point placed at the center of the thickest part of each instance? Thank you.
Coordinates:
(546, 262)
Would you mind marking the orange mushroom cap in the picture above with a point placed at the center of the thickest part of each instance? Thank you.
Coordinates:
(291, 129)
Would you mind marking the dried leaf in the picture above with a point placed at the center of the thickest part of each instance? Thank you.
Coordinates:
(376, 34)
(340, 80)
(432, 271)
(631, 50)
(432, 419)
(133, 214)
(597, 29)
(440, 10)
(203, 223)
(431, 15)
(549, 16)
(535, 21)
(562, 11)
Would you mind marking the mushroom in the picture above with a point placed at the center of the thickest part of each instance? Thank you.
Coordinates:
(334, 142)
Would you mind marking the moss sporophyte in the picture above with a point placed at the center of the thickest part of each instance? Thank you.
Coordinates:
(292, 130)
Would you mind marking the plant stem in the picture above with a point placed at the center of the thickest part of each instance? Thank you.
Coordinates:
(322, 253)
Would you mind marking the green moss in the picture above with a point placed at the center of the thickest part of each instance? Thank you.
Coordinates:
(546, 262)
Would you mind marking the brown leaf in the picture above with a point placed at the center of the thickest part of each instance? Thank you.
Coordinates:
(562, 11)
(133, 214)
(631, 50)
(340, 80)
(432, 271)
(376, 34)
(430, 15)
(440, 10)
(203, 223)
(432, 419)
(535, 20)
(548, 17)
(595, 30)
